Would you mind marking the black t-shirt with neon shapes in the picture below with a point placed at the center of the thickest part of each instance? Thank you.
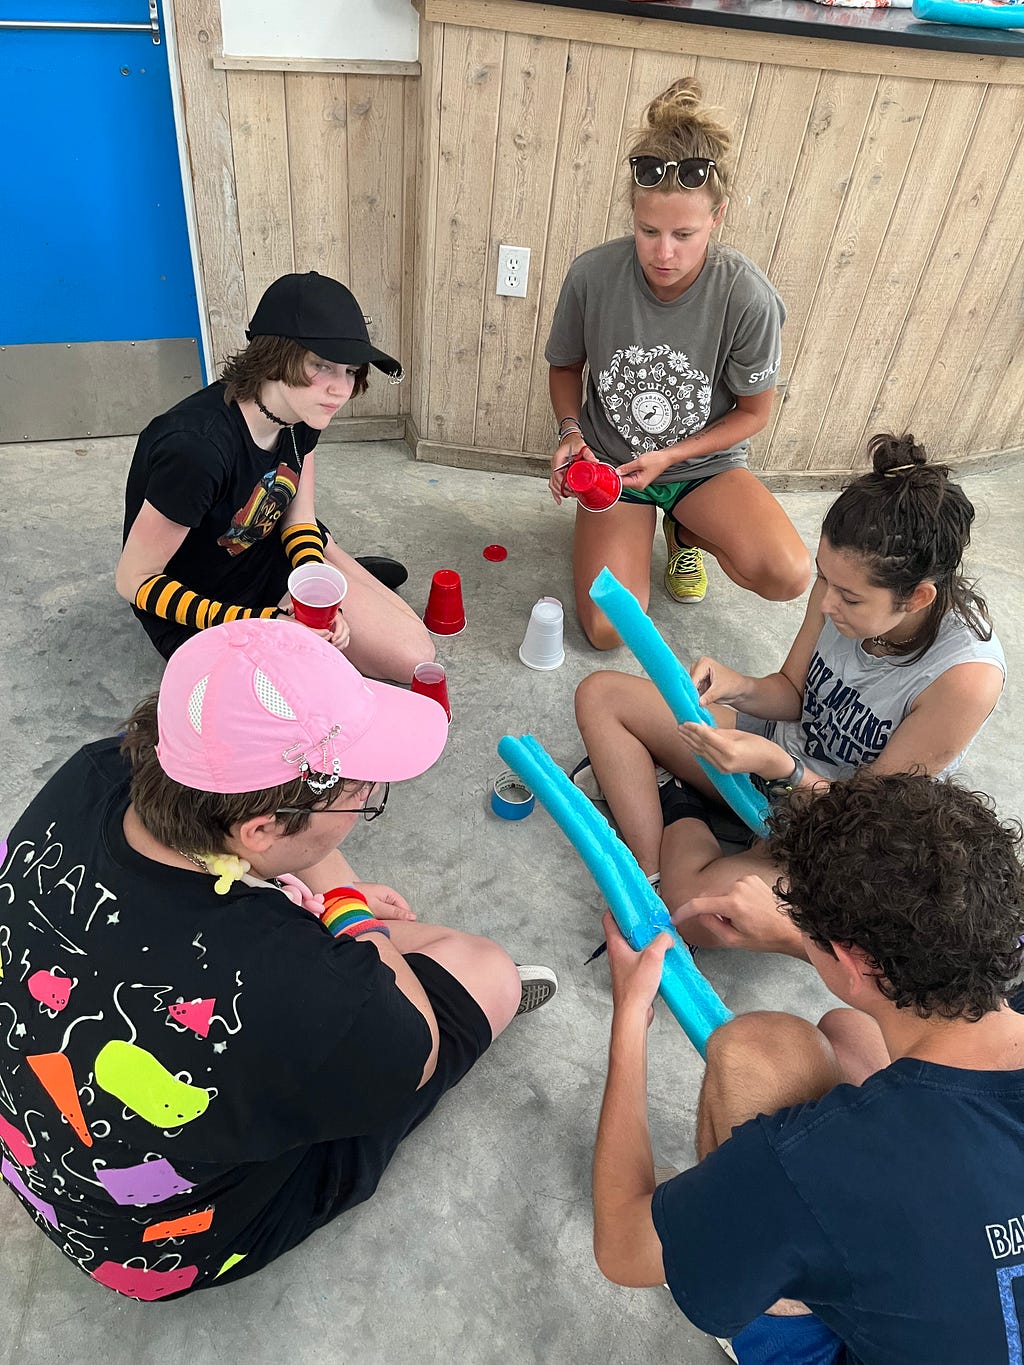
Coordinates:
(179, 1070)
(199, 466)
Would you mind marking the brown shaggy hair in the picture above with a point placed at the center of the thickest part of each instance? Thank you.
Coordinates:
(201, 822)
(920, 875)
(268, 358)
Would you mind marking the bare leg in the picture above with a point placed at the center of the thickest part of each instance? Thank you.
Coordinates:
(736, 519)
(479, 964)
(388, 638)
(628, 729)
(620, 539)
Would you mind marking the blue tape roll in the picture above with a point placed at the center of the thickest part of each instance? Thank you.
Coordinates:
(511, 798)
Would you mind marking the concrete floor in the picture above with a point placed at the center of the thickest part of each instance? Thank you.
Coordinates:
(477, 1247)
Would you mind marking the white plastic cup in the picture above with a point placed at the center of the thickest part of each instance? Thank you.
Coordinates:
(542, 646)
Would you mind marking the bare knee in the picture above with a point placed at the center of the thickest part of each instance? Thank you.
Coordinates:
(415, 647)
(766, 1040)
(496, 984)
(599, 630)
(785, 576)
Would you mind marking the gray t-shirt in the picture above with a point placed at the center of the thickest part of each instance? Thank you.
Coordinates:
(659, 372)
(854, 701)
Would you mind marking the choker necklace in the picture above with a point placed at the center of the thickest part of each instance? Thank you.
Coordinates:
(890, 646)
(271, 416)
(193, 858)
(290, 428)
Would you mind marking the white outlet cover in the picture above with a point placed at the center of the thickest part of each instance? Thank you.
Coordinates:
(513, 271)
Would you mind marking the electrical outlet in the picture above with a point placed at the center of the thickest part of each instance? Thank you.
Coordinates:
(513, 270)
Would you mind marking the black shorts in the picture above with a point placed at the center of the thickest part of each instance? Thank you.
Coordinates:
(336, 1176)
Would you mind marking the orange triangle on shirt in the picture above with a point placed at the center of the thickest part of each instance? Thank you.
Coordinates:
(56, 1077)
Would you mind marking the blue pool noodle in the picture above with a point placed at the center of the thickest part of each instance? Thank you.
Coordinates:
(639, 912)
(639, 632)
(966, 12)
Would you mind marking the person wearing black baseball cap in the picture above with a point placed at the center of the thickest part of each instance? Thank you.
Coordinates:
(219, 503)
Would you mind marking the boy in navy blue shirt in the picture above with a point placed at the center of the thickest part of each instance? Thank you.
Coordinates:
(859, 1195)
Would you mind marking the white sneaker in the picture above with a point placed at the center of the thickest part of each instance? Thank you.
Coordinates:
(539, 986)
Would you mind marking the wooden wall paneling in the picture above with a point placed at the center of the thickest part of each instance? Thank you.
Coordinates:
(835, 130)
(420, 357)
(911, 367)
(410, 182)
(208, 135)
(890, 138)
(891, 134)
(318, 172)
(934, 418)
(585, 180)
(729, 86)
(945, 134)
(776, 129)
(376, 190)
(469, 128)
(992, 414)
(533, 76)
(260, 139)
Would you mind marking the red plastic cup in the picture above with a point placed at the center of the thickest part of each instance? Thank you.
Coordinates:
(597, 486)
(429, 681)
(316, 591)
(445, 614)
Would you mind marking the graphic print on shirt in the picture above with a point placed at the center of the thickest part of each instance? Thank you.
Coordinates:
(838, 727)
(1005, 1240)
(65, 1152)
(654, 398)
(263, 509)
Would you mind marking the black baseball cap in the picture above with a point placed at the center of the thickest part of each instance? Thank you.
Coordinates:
(322, 315)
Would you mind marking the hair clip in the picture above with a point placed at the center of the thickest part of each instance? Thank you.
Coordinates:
(898, 469)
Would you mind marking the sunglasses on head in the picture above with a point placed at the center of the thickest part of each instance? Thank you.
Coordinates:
(691, 173)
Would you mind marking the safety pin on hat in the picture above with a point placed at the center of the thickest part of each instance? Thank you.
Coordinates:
(296, 754)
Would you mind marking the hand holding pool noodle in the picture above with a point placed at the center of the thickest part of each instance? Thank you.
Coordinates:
(639, 911)
(676, 686)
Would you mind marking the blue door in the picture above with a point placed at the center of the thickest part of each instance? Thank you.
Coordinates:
(99, 325)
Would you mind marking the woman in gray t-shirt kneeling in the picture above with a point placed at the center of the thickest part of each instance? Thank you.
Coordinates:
(682, 338)
(895, 665)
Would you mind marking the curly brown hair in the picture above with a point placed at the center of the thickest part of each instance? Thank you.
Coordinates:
(268, 358)
(920, 875)
(200, 822)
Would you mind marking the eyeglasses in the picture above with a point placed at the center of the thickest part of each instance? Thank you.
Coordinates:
(691, 173)
(368, 812)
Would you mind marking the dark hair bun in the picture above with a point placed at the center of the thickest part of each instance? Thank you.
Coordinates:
(890, 453)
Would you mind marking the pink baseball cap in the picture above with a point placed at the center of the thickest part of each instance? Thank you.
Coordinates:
(243, 705)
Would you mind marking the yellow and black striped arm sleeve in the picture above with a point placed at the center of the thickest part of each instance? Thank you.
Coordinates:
(303, 543)
(166, 597)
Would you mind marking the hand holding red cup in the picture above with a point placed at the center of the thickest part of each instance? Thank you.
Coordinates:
(317, 591)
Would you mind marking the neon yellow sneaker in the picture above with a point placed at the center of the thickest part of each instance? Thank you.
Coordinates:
(685, 578)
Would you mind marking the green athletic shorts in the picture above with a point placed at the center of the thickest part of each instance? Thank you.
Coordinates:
(663, 495)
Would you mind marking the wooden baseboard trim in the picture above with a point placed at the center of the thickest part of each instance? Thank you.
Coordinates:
(317, 66)
(777, 480)
(344, 429)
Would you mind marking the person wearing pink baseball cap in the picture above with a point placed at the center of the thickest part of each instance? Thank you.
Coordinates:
(237, 1029)
(220, 501)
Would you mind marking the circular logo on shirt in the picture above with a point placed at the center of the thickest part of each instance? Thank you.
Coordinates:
(652, 411)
